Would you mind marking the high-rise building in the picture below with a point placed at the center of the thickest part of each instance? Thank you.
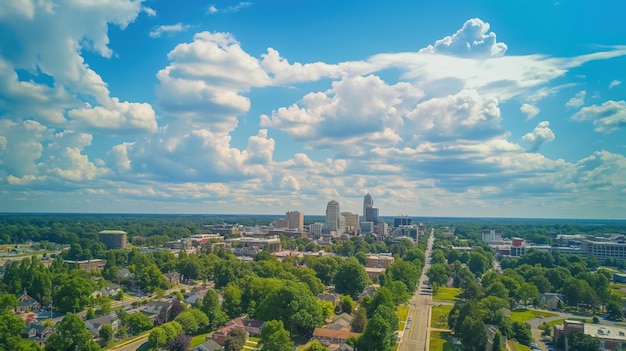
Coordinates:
(295, 220)
(402, 221)
(351, 220)
(113, 239)
(367, 203)
(333, 216)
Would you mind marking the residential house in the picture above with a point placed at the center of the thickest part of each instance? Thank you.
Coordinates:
(329, 336)
(342, 347)
(368, 291)
(196, 295)
(208, 345)
(94, 325)
(250, 326)
(342, 321)
(173, 278)
(153, 308)
(333, 298)
(26, 303)
(551, 300)
(37, 333)
(108, 291)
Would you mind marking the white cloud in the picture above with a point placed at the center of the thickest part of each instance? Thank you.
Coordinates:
(149, 11)
(473, 39)
(117, 117)
(283, 72)
(362, 110)
(540, 135)
(212, 9)
(465, 115)
(531, 111)
(578, 100)
(168, 30)
(614, 83)
(607, 118)
(58, 79)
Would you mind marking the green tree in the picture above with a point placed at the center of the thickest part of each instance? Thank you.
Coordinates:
(378, 335)
(11, 327)
(137, 323)
(351, 278)
(106, 334)
(497, 341)
(406, 272)
(360, 320)
(582, 342)
(521, 333)
(438, 273)
(274, 337)
(294, 305)
(614, 310)
(180, 342)
(232, 301)
(157, 338)
(325, 268)
(71, 334)
(316, 346)
(188, 321)
(235, 340)
(213, 309)
(347, 304)
(383, 296)
(473, 334)
(73, 295)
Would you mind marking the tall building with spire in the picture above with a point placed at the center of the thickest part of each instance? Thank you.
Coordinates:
(367, 203)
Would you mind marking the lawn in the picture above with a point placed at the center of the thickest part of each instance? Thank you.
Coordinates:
(617, 289)
(447, 294)
(197, 340)
(439, 316)
(522, 314)
(439, 341)
(403, 313)
(515, 346)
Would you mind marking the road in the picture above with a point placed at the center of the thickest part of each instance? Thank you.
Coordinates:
(415, 335)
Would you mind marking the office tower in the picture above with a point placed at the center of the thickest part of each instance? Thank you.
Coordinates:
(113, 239)
(367, 203)
(351, 219)
(295, 220)
(333, 216)
(402, 221)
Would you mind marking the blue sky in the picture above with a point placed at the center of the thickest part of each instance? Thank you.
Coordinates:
(446, 108)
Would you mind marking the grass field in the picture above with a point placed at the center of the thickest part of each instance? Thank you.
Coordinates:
(617, 289)
(447, 294)
(522, 315)
(403, 313)
(439, 341)
(439, 316)
(197, 340)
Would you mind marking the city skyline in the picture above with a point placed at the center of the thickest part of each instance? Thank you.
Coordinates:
(442, 109)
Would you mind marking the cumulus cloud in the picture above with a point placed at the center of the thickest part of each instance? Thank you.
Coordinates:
(473, 39)
(365, 108)
(607, 118)
(283, 72)
(117, 117)
(531, 111)
(168, 30)
(578, 100)
(53, 75)
(540, 135)
(465, 115)
(614, 83)
(205, 79)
